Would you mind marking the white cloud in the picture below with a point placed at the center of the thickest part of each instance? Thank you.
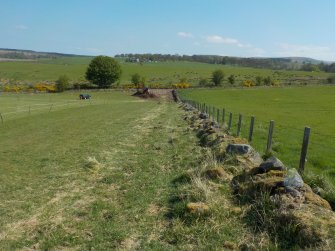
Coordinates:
(216, 39)
(296, 50)
(220, 43)
(21, 27)
(185, 34)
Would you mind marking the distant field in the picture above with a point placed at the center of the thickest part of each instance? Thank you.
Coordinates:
(160, 72)
(292, 109)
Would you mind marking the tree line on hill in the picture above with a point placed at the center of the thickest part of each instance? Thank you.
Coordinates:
(319, 67)
(303, 64)
(29, 54)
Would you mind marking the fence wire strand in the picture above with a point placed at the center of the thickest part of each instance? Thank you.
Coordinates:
(288, 147)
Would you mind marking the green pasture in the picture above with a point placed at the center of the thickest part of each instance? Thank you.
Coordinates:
(155, 72)
(292, 109)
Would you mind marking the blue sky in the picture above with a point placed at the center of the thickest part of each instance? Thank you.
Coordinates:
(248, 28)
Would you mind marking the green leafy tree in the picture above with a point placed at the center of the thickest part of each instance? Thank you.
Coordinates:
(218, 77)
(143, 80)
(183, 80)
(331, 79)
(258, 80)
(136, 79)
(62, 83)
(231, 79)
(267, 80)
(103, 71)
(203, 82)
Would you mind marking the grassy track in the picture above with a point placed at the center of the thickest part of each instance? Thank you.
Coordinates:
(101, 176)
(292, 109)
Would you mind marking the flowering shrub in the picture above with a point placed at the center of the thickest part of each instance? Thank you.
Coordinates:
(275, 83)
(181, 86)
(248, 83)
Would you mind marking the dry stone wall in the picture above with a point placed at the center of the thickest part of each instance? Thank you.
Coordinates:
(292, 203)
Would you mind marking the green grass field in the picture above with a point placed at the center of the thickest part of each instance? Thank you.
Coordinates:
(292, 109)
(105, 174)
(155, 73)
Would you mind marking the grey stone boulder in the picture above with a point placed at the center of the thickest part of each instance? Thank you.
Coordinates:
(239, 149)
(293, 179)
(215, 124)
(203, 116)
(271, 163)
(292, 191)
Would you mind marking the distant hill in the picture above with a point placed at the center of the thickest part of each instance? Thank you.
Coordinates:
(283, 63)
(304, 60)
(31, 55)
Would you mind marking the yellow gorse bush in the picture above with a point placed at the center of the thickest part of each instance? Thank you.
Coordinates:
(22, 87)
(181, 86)
(248, 83)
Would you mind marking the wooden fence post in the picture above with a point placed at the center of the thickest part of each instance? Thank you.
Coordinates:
(239, 124)
(269, 144)
(29, 110)
(1, 118)
(213, 118)
(251, 130)
(218, 116)
(223, 116)
(304, 148)
(230, 120)
(51, 107)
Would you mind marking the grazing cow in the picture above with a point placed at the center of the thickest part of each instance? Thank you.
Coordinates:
(84, 96)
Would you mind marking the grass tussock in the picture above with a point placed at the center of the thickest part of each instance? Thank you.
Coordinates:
(268, 215)
(204, 205)
(322, 186)
(92, 163)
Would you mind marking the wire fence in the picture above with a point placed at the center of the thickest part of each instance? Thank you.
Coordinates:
(286, 142)
(14, 106)
(33, 109)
